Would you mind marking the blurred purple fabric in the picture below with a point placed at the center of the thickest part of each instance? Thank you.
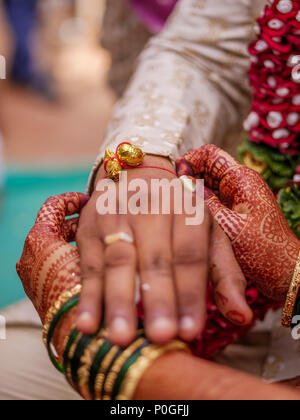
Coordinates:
(153, 13)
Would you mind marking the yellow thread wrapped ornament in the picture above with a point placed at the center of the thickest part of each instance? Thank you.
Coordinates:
(127, 155)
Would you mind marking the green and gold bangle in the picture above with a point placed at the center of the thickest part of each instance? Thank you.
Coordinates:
(115, 370)
(148, 355)
(75, 358)
(102, 371)
(102, 365)
(125, 368)
(103, 362)
(84, 372)
(71, 344)
(64, 305)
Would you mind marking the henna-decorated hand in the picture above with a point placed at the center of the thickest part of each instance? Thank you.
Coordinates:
(246, 209)
(50, 265)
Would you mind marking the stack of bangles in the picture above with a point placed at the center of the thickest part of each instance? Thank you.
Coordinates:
(291, 311)
(94, 367)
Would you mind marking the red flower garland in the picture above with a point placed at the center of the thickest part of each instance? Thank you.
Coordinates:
(275, 116)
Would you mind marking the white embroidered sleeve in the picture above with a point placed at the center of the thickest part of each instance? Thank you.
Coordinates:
(191, 84)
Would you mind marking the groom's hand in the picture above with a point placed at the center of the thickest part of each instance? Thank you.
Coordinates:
(173, 260)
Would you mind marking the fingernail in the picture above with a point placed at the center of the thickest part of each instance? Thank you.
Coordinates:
(85, 320)
(119, 325)
(236, 317)
(187, 323)
(162, 324)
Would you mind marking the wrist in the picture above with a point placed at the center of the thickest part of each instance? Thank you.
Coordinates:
(63, 331)
(149, 160)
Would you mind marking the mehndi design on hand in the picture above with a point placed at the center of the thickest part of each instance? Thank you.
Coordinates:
(49, 265)
(246, 209)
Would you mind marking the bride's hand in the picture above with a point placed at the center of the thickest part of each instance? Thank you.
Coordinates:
(49, 265)
(246, 209)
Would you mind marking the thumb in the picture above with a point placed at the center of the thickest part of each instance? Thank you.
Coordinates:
(231, 222)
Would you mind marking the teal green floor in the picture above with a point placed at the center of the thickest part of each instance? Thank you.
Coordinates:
(24, 193)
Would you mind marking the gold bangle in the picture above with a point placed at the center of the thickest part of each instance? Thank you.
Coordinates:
(70, 356)
(104, 367)
(149, 355)
(86, 362)
(63, 298)
(291, 297)
(103, 371)
(116, 368)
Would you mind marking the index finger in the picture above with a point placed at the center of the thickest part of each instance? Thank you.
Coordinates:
(57, 208)
(236, 184)
(208, 160)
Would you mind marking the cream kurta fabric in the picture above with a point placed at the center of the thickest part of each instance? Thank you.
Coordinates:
(191, 84)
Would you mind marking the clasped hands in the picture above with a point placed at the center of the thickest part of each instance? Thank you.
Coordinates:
(244, 234)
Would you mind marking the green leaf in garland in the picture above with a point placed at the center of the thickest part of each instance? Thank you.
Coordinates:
(289, 201)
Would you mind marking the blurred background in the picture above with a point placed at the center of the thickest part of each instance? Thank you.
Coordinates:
(55, 103)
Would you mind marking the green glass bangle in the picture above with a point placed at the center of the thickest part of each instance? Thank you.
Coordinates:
(72, 338)
(83, 343)
(63, 311)
(112, 363)
(102, 352)
(129, 362)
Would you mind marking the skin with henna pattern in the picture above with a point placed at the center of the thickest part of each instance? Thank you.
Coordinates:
(247, 211)
(49, 266)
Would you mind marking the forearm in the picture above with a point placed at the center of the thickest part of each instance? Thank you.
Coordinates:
(203, 380)
(190, 87)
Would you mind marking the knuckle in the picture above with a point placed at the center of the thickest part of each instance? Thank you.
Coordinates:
(190, 300)
(119, 257)
(233, 277)
(83, 236)
(51, 199)
(91, 270)
(190, 255)
(157, 263)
